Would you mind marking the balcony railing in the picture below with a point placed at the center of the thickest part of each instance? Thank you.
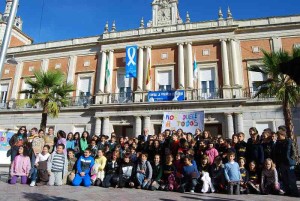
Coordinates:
(138, 97)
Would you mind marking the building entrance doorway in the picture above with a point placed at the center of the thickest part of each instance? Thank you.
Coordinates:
(124, 131)
(214, 129)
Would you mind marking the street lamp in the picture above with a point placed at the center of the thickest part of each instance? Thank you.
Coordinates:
(7, 35)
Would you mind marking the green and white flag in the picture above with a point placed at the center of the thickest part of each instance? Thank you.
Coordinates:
(107, 71)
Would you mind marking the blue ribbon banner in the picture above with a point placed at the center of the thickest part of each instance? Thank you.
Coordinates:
(156, 96)
(131, 57)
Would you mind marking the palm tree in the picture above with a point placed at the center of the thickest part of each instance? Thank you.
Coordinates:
(279, 85)
(49, 90)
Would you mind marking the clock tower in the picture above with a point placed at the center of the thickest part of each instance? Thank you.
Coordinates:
(164, 12)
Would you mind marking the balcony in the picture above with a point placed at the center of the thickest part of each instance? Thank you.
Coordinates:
(142, 97)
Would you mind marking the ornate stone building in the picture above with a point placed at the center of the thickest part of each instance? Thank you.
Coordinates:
(223, 87)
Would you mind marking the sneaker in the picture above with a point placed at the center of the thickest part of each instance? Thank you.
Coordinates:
(138, 187)
(281, 192)
(32, 184)
(192, 191)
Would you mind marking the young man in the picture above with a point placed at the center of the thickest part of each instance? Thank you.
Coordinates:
(49, 139)
(232, 174)
(84, 165)
(286, 164)
(57, 166)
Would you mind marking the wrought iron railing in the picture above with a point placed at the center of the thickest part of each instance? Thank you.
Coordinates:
(135, 97)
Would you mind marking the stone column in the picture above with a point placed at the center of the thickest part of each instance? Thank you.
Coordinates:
(137, 126)
(71, 69)
(148, 87)
(230, 128)
(17, 80)
(45, 65)
(225, 63)
(276, 44)
(147, 122)
(105, 129)
(180, 66)
(239, 119)
(140, 76)
(190, 65)
(102, 72)
(235, 66)
(108, 87)
(98, 126)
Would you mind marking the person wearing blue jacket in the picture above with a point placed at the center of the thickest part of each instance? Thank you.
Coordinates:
(190, 175)
(84, 165)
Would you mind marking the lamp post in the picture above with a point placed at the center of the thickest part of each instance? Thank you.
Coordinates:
(7, 34)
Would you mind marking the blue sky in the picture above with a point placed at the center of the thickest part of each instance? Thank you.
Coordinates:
(66, 19)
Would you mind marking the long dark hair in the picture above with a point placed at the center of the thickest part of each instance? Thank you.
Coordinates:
(61, 134)
(25, 131)
(87, 137)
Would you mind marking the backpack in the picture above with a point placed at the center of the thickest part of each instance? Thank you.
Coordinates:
(42, 171)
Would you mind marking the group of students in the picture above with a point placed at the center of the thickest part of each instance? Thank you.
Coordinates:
(170, 161)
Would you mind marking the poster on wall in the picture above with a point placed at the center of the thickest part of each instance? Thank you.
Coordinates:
(4, 147)
(187, 121)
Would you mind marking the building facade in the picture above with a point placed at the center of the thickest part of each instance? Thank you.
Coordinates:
(106, 101)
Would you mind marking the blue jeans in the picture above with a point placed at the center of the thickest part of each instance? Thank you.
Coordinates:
(86, 180)
(34, 173)
(141, 177)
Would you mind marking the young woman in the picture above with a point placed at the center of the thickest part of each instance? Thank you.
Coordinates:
(20, 167)
(77, 144)
(98, 169)
(61, 139)
(84, 141)
(70, 141)
(19, 139)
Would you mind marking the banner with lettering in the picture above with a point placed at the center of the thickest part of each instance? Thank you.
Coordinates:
(187, 121)
(4, 147)
(131, 57)
(156, 96)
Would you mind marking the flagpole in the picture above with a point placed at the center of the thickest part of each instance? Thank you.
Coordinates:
(7, 35)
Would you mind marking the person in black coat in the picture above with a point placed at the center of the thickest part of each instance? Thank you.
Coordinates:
(241, 146)
(286, 164)
(16, 141)
(112, 169)
(255, 151)
(127, 172)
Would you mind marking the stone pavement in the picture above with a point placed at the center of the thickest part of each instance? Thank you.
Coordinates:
(69, 193)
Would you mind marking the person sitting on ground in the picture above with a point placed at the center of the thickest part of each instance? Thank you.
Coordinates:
(20, 167)
(127, 172)
(190, 175)
(144, 172)
(84, 165)
(40, 165)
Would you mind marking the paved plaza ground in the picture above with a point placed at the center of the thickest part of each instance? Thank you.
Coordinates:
(69, 193)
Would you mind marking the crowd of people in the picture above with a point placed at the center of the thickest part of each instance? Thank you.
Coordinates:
(168, 161)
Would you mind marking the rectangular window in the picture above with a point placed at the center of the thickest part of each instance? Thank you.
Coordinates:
(165, 80)
(124, 86)
(3, 94)
(85, 86)
(260, 126)
(256, 76)
(207, 82)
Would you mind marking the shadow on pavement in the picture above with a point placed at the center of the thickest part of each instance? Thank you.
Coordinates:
(41, 197)
(210, 198)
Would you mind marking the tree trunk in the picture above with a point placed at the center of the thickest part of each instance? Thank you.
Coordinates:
(44, 116)
(287, 113)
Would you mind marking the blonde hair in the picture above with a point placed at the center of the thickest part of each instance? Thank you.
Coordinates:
(273, 166)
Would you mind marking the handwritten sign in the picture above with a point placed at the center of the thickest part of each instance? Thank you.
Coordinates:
(187, 121)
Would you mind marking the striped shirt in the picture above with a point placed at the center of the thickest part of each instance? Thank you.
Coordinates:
(58, 163)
